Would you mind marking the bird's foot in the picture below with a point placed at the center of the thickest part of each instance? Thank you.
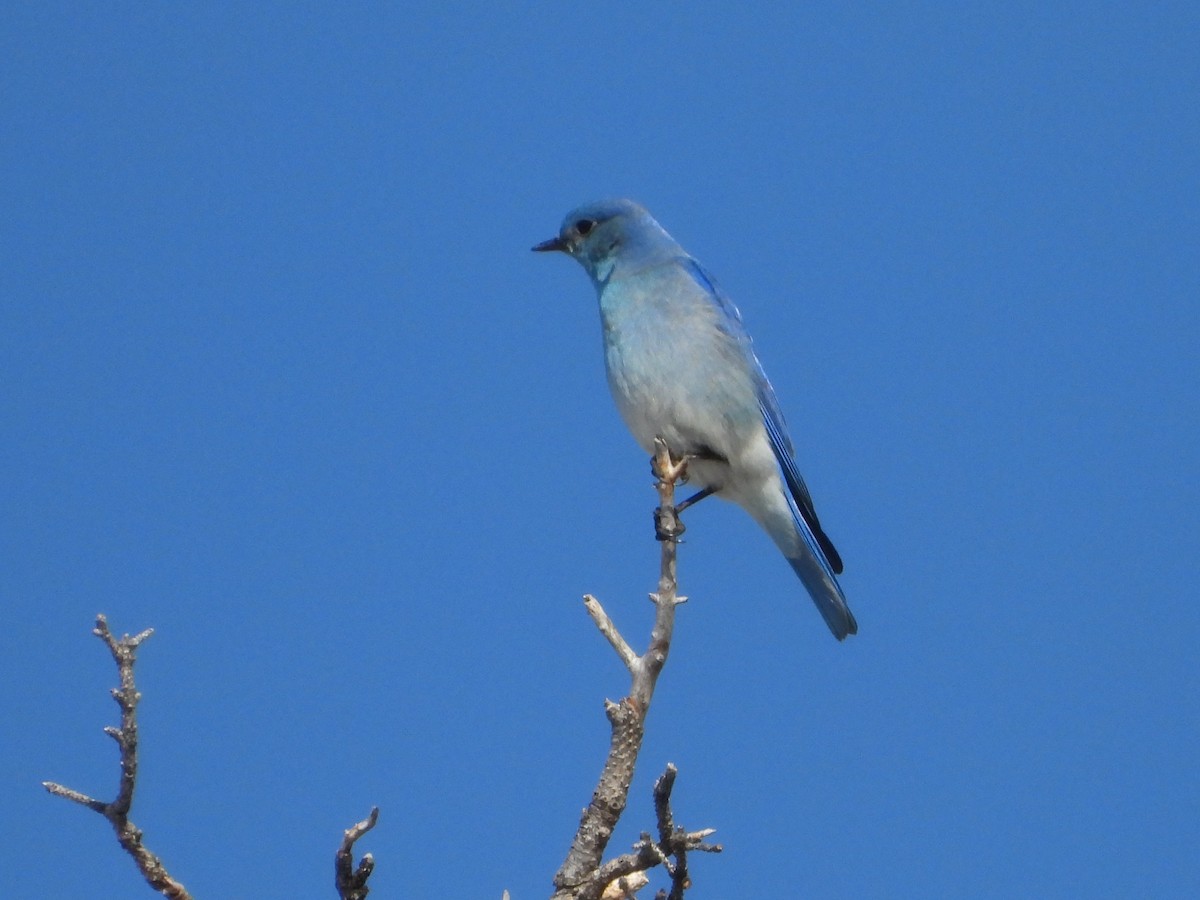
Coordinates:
(667, 524)
(675, 470)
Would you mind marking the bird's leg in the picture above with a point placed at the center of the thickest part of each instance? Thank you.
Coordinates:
(696, 498)
(671, 470)
(666, 522)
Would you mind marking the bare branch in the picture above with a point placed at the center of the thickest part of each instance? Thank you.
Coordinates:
(672, 843)
(668, 836)
(124, 654)
(582, 877)
(662, 803)
(351, 880)
(609, 630)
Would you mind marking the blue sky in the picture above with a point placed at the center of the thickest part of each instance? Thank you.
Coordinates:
(282, 380)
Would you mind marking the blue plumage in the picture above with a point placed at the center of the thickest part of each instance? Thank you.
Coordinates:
(680, 365)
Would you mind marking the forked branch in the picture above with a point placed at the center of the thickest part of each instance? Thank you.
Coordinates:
(582, 875)
(129, 836)
(351, 880)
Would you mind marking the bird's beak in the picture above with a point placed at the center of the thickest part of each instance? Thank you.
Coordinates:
(555, 243)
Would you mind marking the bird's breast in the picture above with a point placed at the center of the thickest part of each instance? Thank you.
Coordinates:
(673, 372)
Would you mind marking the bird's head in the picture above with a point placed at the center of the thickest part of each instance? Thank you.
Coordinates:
(597, 235)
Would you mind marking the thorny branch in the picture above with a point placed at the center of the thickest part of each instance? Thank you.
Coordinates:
(582, 876)
(124, 654)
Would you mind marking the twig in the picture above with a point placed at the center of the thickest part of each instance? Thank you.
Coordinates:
(124, 654)
(648, 853)
(352, 881)
(582, 877)
(609, 630)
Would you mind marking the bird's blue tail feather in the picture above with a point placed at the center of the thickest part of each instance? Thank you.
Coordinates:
(816, 571)
(824, 590)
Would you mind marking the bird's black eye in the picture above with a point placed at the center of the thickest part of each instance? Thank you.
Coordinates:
(583, 226)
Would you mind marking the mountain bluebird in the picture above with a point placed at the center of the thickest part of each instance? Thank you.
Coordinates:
(680, 366)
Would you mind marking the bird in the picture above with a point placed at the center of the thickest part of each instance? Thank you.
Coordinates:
(680, 366)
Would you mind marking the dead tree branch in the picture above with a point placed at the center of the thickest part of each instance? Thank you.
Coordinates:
(124, 654)
(582, 875)
(351, 880)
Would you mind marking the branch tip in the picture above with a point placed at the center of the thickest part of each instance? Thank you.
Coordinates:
(610, 632)
(351, 880)
(129, 836)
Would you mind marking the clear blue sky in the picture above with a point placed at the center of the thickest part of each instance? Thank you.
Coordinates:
(282, 380)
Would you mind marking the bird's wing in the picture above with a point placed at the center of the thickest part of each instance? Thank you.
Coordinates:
(777, 433)
(781, 444)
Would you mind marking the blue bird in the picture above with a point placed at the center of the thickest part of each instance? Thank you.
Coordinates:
(680, 366)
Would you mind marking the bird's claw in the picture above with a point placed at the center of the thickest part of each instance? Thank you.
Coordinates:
(667, 524)
(676, 471)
